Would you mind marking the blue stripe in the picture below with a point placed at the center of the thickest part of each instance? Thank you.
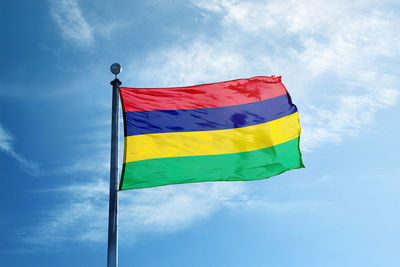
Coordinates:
(207, 119)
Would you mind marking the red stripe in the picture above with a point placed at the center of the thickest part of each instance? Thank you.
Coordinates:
(212, 95)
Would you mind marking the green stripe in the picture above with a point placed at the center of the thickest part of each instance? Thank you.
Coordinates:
(250, 165)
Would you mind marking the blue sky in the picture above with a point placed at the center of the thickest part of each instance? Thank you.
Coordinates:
(338, 59)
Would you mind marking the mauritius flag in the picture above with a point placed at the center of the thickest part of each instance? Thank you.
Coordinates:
(246, 129)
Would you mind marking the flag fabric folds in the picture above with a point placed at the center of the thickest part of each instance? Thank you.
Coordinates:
(246, 129)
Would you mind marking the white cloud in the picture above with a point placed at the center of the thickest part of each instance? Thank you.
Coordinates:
(352, 114)
(163, 209)
(5, 139)
(68, 16)
(93, 165)
(280, 17)
(82, 218)
(352, 45)
(6, 145)
(198, 62)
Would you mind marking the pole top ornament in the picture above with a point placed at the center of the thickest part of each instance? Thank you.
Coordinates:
(116, 69)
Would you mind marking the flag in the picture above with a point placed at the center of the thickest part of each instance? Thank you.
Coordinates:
(245, 129)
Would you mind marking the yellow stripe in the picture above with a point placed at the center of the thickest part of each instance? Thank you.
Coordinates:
(180, 144)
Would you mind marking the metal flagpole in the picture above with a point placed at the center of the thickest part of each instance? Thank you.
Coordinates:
(112, 256)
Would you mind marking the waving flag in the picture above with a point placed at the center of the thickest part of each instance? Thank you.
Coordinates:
(246, 129)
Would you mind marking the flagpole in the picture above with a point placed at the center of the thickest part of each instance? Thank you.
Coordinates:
(112, 256)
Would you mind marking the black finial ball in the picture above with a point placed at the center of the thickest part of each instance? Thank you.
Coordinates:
(115, 68)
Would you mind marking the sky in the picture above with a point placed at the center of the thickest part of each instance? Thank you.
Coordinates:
(338, 59)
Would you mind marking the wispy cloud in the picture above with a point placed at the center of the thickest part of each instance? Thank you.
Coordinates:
(352, 114)
(6, 145)
(74, 26)
(163, 209)
(197, 62)
(83, 216)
